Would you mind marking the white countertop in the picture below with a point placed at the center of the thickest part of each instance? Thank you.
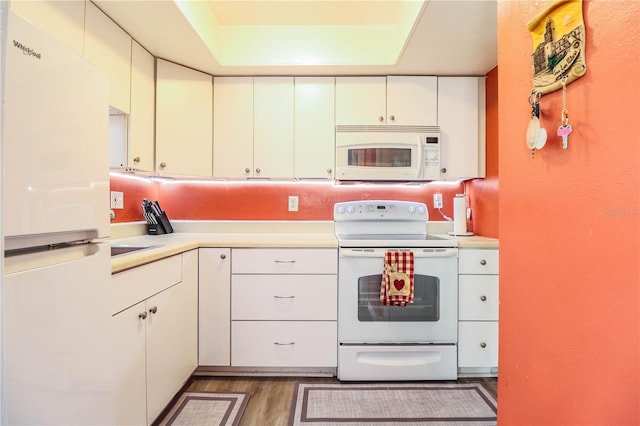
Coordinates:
(190, 235)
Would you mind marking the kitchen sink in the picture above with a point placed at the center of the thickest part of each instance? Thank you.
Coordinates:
(120, 249)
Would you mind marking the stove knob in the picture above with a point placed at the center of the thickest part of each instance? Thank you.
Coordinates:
(341, 210)
(422, 210)
(412, 209)
(351, 209)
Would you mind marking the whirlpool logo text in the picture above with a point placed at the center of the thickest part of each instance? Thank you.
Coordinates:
(26, 50)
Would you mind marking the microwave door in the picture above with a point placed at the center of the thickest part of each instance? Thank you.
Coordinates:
(380, 161)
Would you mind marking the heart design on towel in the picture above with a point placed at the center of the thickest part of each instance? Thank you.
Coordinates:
(398, 284)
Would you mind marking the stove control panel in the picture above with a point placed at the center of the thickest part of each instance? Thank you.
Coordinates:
(380, 210)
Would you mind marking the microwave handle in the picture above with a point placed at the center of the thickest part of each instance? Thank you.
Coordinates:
(421, 148)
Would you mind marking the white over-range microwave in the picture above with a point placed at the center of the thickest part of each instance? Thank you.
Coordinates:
(387, 153)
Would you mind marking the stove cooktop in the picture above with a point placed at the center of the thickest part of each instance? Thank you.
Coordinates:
(385, 224)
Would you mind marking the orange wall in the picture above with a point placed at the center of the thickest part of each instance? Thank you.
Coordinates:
(492, 122)
(247, 200)
(570, 229)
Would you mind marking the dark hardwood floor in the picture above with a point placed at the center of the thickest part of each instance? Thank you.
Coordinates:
(270, 400)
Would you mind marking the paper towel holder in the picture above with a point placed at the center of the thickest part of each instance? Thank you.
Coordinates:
(460, 217)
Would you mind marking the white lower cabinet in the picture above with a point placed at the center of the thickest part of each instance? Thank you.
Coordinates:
(284, 308)
(214, 308)
(478, 304)
(284, 343)
(156, 349)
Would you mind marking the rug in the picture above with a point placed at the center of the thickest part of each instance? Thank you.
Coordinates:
(404, 404)
(207, 408)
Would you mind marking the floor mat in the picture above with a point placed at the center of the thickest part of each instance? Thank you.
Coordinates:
(404, 404)
(207, 408)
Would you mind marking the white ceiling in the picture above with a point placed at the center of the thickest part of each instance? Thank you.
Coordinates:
(452, 37)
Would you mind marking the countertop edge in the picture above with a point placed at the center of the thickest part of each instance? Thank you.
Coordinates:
(176, 243)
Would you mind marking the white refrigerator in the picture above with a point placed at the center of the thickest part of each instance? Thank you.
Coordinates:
(56, 337)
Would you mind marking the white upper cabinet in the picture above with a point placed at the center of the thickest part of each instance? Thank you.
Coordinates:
(63, 20)
(461, 117)
(273, 127)
(141, 120)
(232, 127)
(361, 100)
(412, 100)
(184, 120)
(314, 146)
(405, 100)
(108, 47)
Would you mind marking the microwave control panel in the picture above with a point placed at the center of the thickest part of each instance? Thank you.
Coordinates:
(431, 158)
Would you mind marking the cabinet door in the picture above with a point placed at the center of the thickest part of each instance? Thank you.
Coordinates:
(361, 100)
(232, 127)
(478, 344)
(63, 20)
(214, 311)
(108, 47)
(184, 120)
(412, 100)
(273, 127)
(171, 344)
(314, 127)
(130, 362)
(478, 298)
(141, 119)
(461, 120)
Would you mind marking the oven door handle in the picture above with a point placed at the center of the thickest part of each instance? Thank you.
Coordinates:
(418, 253)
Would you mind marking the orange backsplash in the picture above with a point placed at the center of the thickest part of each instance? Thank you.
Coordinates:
(264, 200)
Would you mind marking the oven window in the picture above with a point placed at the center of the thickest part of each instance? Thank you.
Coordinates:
(424, 308)
(379, 157)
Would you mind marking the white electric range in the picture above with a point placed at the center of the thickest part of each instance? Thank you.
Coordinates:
(381, 342)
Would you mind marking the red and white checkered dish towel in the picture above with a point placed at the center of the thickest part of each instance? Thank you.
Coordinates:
(397, 284)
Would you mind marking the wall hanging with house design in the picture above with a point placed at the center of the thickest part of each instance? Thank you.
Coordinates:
(558, 35)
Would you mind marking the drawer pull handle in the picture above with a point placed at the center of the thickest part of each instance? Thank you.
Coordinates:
(284, 261)
(284, 344)
(223, 256)
(483, 262)
(483, 298)
(284, 297)
(142, 315)
(483, 345)
(153, 310)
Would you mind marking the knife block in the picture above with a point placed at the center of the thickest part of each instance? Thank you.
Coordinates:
(162, 227)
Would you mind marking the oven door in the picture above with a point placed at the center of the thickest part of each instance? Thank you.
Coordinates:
(432, 318)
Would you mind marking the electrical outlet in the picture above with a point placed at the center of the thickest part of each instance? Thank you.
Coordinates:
(117, 200)
(437, 201)
(293, 203)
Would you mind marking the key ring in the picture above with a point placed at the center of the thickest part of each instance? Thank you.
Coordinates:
(534, 97)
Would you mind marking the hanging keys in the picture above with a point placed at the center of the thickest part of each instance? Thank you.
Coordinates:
(565, 128)
(536, 135)
(564, 131)
(533, 129)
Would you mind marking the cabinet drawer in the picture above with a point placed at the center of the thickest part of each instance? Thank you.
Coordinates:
(284, 344)
(478, 344)
(284, 297)
(134, 285)
(478, 261)
(284, 261)
(478, 297)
